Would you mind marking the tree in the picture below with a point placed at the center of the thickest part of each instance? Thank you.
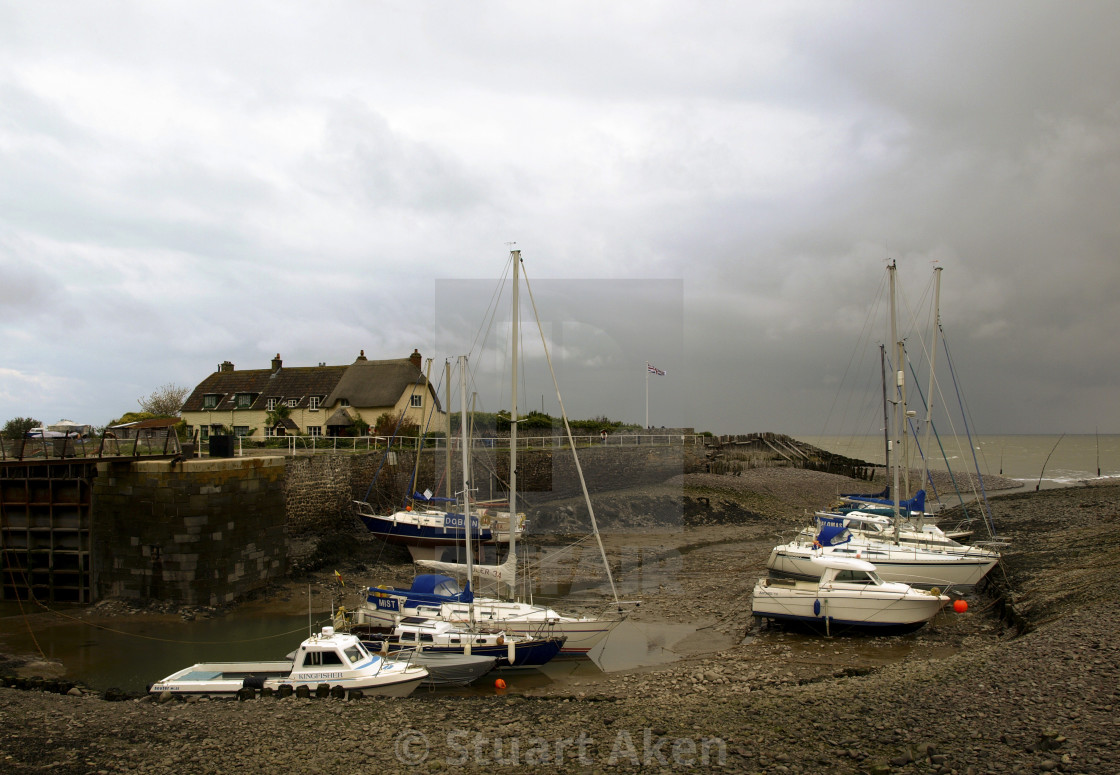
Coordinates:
(133, 417)
(17, 427)
(388, 424)
(276, 416)
(166, 401)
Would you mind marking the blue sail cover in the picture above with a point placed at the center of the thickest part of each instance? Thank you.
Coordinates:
(917, 503)
(856, 496)
(427, 588)
(832, 532)
(419, 496)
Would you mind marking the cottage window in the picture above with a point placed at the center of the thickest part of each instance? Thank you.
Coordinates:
(344, 402)
(210, 401)
(244, 400)
(313, 403)
(241, 430)
(314, 430)
(269, 431)
(270, 404)
(293, 402)
(417, 401)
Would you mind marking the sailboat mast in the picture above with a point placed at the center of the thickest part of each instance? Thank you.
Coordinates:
(886, 414)
(466, 475)
(423, 424)
(932, 361)
(447, 437)
(899, 379)
(515, 334)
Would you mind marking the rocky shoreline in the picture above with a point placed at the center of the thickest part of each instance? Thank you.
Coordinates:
(1028, 680)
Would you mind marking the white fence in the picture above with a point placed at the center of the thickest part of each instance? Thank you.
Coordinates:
(311, 445)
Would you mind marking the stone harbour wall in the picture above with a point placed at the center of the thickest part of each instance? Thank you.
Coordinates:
(207, 531)
(317, 491)
(199, 532)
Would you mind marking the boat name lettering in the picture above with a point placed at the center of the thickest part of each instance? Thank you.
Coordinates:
(387, 604)
(456, 520)
(316, 676)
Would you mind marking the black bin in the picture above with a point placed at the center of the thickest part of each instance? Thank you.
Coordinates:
(221, 446)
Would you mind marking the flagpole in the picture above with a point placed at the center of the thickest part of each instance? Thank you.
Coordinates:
(647, 395)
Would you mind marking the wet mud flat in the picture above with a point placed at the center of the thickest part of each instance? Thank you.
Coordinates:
(1034, 690)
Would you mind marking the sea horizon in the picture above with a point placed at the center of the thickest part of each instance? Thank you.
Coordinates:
(1045, 460)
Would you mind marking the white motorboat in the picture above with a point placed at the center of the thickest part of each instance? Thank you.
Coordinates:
(849, 593)
(331, 658)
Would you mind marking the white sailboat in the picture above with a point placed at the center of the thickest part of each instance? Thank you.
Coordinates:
(896, 560)
(388, 606)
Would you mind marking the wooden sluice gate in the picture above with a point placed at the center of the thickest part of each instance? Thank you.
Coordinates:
(47, 510)
(46, 524)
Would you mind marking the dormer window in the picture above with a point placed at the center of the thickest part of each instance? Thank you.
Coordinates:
(293, 402)
(344, 402)
(244, 400)
(270, 404)
(210, 401)
(313, 403)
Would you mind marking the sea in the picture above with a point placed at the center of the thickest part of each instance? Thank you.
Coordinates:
(1038, 461)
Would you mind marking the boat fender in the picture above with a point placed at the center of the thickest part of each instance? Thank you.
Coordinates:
(501, 640)
(935, 591)
(253, 682)
(816, 544)
(817, 607)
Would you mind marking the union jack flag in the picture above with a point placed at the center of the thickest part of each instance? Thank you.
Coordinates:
(654, 370)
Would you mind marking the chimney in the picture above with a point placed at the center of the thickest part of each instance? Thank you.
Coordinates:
(361, 356)
(225, 366)
(277, 363)
(415, 358)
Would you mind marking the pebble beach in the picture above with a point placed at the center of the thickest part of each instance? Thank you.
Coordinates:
(1026, 680)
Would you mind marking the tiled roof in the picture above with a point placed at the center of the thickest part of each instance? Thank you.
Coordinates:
(363, 383)
(299, 382)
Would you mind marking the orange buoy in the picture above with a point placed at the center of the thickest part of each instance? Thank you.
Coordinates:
(960, 606)
(500, 684)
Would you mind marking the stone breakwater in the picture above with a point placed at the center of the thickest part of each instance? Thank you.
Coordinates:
(968, 694)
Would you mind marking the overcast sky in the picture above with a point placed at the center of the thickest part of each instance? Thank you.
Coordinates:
(183, 183)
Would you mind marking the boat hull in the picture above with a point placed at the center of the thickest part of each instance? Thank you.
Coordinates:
(580, 635)
(402, 528)
(531, 653)
(807, 602)
(447, 669)
(230, 678)
(908, 566)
